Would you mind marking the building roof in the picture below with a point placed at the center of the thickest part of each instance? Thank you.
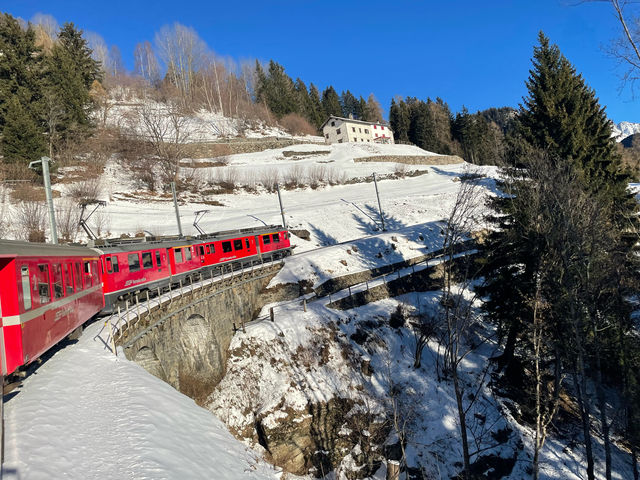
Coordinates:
(352, 120)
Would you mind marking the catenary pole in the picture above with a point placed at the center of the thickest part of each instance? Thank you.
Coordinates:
(375, 182)
(284, 222)
(175, 205)
(44, 161)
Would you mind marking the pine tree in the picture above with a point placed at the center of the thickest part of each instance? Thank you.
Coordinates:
(21, 104)
(69, 75)
(349, 104)
(317, 114)
(22, 137)
(331, 103)
(562, 116)
(587, 259)
(399, 120)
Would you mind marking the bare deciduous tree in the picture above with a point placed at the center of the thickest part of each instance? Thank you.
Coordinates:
(146, 63)
(183, 53)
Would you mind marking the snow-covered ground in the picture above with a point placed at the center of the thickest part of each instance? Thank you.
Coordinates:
(85, 414)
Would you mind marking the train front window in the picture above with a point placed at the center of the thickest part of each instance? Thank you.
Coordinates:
(44, 290)
(26, 287)
(58, 290)
(275, 238)
(187, 253)
(147, 260)
(68, 277)
(226, 247)
(266, 239)
(237, 244)
(114, 261)
(134, 262)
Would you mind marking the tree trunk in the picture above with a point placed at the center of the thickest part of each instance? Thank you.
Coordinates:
(602, 404)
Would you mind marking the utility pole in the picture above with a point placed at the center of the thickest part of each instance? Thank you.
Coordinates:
(44, 161)
(284, 222)
(175, 205)
(375, 182)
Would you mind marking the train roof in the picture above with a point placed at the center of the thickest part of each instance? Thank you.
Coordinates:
(14, 248)
(150, 243)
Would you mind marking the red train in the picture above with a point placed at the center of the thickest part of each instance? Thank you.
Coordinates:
(47, 291)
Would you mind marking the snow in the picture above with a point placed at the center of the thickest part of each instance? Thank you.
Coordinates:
(624, 130)
(86, 414)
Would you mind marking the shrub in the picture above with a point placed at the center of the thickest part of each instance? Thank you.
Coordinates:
(294, 177)
(269, 179)
(297, 125)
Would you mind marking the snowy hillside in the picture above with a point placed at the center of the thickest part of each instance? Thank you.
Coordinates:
(625, 129)
(111, 419)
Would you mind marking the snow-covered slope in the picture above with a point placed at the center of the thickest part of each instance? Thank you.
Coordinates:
(85, 414)
(624, 129)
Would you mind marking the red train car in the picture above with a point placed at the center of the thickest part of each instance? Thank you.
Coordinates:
(146, 264)
(46, 292)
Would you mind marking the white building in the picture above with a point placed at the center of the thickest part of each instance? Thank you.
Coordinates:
(342, 130)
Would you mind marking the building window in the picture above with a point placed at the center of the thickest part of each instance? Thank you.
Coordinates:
(375, 127)
(376, 134)
(327, 135)
(340, 141)
(360, 129)
(381, 127)
(338, 131)
(366, 130)
(353, 128)
(333, 124)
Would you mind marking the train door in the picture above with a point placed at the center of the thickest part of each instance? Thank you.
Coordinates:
(200, 250)
(259, 250)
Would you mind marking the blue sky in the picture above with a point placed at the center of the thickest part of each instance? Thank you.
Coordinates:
(467, 52)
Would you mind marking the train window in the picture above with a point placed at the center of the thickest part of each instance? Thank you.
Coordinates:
(134, 262)
(158, 259)
(147, 260)
(178, 255)
(207, 249)
(237, 244)
(44, 291)
(26, 287)
(275, 238)
(266, 239)
(246, 241)
(78, 275)
(95, 278)
(87, 274)
(187, 253)
(201, 248)
(226, 247)
(58, 289)
(107, 261)
(68, 277)
(213, 248)
(114, 261)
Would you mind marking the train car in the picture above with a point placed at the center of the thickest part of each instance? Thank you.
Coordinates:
(131, 267)
(46, 292)
(136, 265)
